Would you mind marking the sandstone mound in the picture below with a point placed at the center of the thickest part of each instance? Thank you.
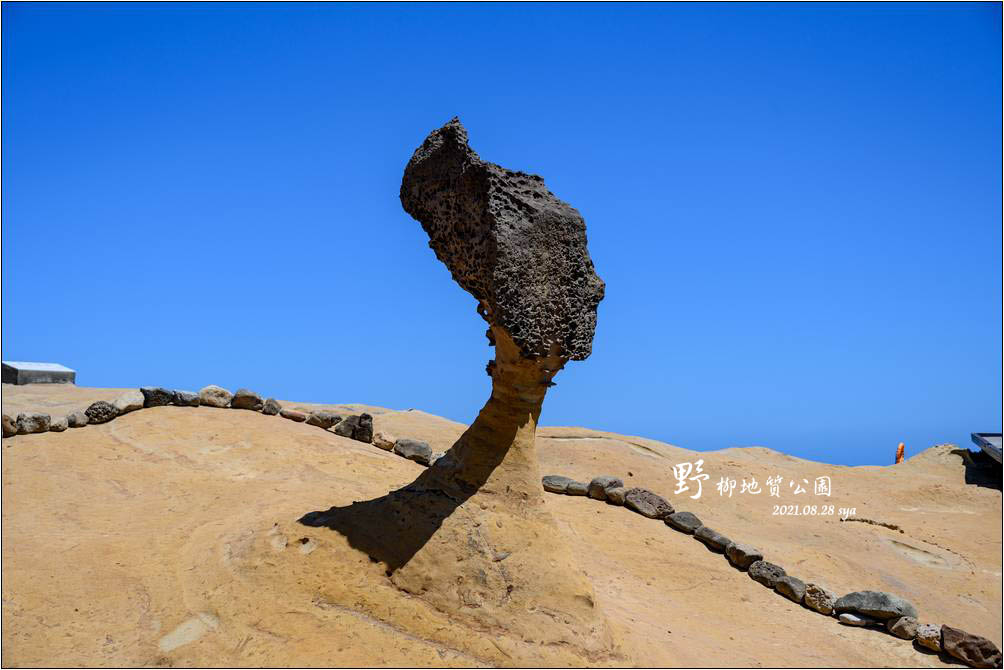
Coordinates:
(170, 536)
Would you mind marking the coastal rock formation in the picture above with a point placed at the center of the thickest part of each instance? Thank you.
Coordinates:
(77, 419)
(929, 636)
(904, 627)
(712, 539)
(186, 399)
(323, 419)
(791, 588)
(598, 486)
(521, 253)
(9, 426)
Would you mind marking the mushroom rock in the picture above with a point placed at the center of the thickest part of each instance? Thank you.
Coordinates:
(521, 252)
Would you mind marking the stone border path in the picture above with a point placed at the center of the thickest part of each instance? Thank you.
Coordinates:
(875, 609)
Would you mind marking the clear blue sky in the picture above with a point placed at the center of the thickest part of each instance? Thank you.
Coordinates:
(796, 208)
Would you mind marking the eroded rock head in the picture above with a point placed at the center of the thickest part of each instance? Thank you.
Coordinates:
(508, 241)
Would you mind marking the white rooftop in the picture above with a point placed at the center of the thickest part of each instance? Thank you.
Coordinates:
(41, 367)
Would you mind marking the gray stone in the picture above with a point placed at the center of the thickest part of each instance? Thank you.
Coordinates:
(77, 419)
(215, 396)
(791, 588)
(509, 242)
(766, 573)
(973, 650)
(24, 372)
(743, 555)
(555, 483)
(364, 430)
(902, 626)
(414, 450)
(712, 538)
(292, 415)
(615, 495)
(346, 426)
(9, 426)
(271, 407)
(819, 598)
(685, 522)
(436, 455)
(929, 636)
(100, 412)
(32, 422)
(860, 620)
(323, 419)
(647, 503)
(599, 485)
(575, 488)
(247, 399)
(130, 401)
(59, 424)
(186, 399)
(156, 396)
(877, 604)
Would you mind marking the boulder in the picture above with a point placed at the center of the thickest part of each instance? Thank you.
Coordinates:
(436, 455)
(647, 503)
(615, 495)
(902, 626)
(928, 636)
(575, 488)
(861, 620)
(77, 419)
(9, 426)
(791, 588)
(323, 419)
(742, 555)
(973, 650)
(877, 604)
(59, 424)
(712, 538)
(292, 415)
(766, 573)
(364, 429)
(685, 522)
(555, 483)
(32, 422)
(414, 450)
(819, 598)
(346, 426)
(101, 412)
(247, 399)
(129, 401)
(215, 396)
(597, 488)
(155, 396)
(383, 440)
(186, 399)
(271, 407)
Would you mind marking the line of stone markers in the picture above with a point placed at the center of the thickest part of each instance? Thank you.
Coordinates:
(860, 608)
(355, 426)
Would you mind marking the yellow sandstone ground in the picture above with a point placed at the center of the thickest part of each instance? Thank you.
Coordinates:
(170, 537)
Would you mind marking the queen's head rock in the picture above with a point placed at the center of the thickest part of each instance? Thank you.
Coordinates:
(509, 242)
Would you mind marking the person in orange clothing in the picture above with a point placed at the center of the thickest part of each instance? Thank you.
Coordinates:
(900, 451)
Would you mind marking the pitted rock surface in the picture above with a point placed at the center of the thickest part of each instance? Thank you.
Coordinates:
(509, 242)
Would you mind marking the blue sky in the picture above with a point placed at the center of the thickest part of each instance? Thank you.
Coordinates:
(796, 208)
